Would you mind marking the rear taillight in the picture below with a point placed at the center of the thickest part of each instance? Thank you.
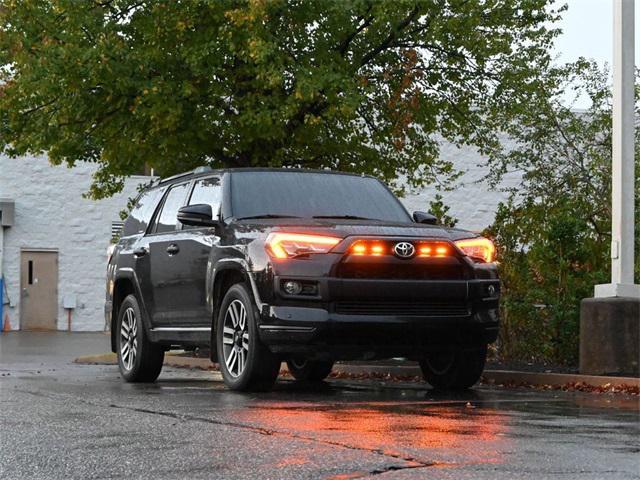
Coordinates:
(479, 248)
(287, 245)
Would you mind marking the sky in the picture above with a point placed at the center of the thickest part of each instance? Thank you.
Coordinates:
(587, 31)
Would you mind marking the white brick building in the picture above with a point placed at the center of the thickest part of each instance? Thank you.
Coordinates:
(59, 239)
(52, 217)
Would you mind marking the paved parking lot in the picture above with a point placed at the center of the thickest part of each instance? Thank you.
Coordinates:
(61, 420)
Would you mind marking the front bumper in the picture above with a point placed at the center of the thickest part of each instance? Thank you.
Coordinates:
(379, 319)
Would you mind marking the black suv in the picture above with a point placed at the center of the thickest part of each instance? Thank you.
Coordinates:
(309, 267)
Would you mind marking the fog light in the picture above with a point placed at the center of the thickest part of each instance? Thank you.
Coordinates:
(292, 287)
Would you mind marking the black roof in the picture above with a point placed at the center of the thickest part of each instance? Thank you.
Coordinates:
(205, 170)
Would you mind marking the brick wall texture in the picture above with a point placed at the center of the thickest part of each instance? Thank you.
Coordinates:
(50, 213)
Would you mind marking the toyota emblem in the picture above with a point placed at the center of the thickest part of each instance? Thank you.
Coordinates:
(404, 249)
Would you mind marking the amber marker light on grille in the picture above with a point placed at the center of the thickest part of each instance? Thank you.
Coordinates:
(287, 245)
(358, 249)
(433, 250)
(362, 247)
(480, 248)
(442, 251)
(377, 249)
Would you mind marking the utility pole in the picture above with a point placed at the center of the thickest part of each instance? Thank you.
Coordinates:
(610, 322)
(622, 191)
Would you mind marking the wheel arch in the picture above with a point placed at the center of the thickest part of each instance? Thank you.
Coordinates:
(225, 276)
(125, 284)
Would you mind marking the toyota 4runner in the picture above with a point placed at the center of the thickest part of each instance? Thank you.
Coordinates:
(308, 267)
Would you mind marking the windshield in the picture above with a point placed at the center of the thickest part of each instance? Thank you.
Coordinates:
(307, 195)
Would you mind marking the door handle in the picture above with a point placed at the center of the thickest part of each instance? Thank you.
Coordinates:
(173, 249)
(140, 251)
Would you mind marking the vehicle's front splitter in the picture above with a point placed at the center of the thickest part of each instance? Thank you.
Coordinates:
(317, 332)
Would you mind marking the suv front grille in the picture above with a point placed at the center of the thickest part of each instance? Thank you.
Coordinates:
(401, 271)
(418, 309)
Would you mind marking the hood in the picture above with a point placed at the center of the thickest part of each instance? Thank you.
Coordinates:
(347, 228)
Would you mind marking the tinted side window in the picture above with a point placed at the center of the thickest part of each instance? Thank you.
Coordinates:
(168, 217)
(142, 212)
(208, 191)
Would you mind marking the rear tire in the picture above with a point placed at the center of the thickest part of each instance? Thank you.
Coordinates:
(246, 364)
(309, 370)
(456, 369)
(139, 360)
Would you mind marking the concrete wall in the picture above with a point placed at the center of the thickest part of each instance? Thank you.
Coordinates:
(471, 201)
(50, 213)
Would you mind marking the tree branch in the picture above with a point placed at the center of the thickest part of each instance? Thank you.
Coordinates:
(40, 107)
(388, 41)
(366, 21)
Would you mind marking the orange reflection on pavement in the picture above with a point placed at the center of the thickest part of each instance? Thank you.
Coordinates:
(288, 461)
(442, 433)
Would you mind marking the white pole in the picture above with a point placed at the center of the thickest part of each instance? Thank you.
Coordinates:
(622, 194)
(623, 142)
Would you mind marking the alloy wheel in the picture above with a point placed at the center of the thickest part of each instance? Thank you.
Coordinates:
(129, 338)
(235, 338)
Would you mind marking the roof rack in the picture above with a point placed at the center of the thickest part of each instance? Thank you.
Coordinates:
(201, 169)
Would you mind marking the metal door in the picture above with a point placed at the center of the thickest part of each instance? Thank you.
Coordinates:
(39, 290)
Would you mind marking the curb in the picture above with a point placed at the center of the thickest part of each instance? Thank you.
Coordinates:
(497, 377)
(169, 360)
(557, 379)
(378, 369)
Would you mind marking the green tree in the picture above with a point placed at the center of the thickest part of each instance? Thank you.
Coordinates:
(438, 208)
(553, 234)
(356, 85)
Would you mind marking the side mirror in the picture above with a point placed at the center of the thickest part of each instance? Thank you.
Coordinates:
(424, 217)
(198, 215)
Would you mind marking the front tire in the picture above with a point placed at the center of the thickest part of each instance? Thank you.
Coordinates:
(139, 360)
(454, 369)
(305, 370)
(246, 364)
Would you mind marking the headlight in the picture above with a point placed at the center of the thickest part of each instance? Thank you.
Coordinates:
(479, 248)
(287, 245)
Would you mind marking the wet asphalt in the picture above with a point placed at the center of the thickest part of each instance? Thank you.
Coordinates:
(62, 420)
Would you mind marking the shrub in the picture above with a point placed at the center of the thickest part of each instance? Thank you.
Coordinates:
(553, 234)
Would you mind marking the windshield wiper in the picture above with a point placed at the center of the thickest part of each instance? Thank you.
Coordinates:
(266, 215)
(347, 217)
(277, 215)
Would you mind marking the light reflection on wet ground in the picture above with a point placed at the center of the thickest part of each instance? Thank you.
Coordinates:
(70, 421)
(481, 427)
(394, 430)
